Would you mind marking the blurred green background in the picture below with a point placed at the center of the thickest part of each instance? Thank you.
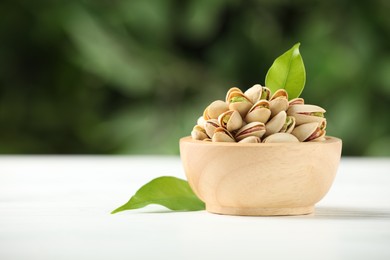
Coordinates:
(132, 77)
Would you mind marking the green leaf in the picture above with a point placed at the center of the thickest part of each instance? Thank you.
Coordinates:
(170, 192)
(287, 72)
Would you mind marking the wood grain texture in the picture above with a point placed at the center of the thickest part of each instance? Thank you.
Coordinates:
(260, 179)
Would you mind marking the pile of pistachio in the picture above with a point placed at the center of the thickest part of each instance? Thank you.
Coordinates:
(260, 116)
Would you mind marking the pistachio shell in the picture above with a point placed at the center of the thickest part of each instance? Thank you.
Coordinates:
(303, 131)
(231, 120)
(280, 93)
(237, 95)
(201, 121)
(239, 102)
(234, 89)
(222, 135)
(259, 112)
(288, 125)
(206, 114)
(281, 138)
(251, 129)
(304, 119)
(278, 102)
(198, 133)
(306, 113)
(305, 109)
(276, 123)
(250, 139)
(319, 134)
(210, 126)
(296, 101)
(254, 93)
(215, 109)
(310, 131)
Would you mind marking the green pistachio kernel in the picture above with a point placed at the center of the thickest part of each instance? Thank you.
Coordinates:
(319, 114)
(264, 94)
(226, 119)
(288, 122)
(238, 99)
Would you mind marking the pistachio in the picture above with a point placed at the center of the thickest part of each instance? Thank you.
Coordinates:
(280, 93)
(306, 113)
(201, 121)
(319, 134)
(281, 138)
(239, 102)
(231, 120)
(310, 131)
(251, 129)
(222, 135)
(296, 101)
(198, 133)
(278, 102)
(276, 123)
(215, 109)
(210, 126)
(250, 139)
(254, 93)
(288, 125)
(234, 89)
(259, 112)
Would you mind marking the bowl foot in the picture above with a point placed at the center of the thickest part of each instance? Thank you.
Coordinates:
(259, 211)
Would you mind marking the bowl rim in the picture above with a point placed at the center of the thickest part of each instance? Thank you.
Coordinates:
(328, 140)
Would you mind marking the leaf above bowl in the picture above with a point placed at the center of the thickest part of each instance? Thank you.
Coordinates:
(287, 72)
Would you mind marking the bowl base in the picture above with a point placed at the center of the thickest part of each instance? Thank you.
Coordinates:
(259, 211)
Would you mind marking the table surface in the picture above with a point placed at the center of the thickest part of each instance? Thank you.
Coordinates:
(54, 207)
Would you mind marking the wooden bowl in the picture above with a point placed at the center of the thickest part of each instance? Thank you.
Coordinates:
(260, 179)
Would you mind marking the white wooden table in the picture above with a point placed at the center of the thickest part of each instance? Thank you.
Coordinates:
(58, 208)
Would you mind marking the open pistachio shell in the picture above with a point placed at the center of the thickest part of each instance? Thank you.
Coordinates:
(319, 134)
(234, 89)
(281, 138)
(254, 93)
(215, 109)
(259, 112)
(201, 121)
(231, 120)
(210, 126)
(277, 105)
(222, 135)
(250, 139)
(276, 123)
(303, 131)
(310, 131)
(288, 125)
(296, 101)
(239, 102)
(306, 113)
(278, 102)
(280, 93)
(198, 133)
(251, 129)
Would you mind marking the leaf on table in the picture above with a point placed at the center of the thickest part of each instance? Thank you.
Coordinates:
(287, 72)
(170, 192)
